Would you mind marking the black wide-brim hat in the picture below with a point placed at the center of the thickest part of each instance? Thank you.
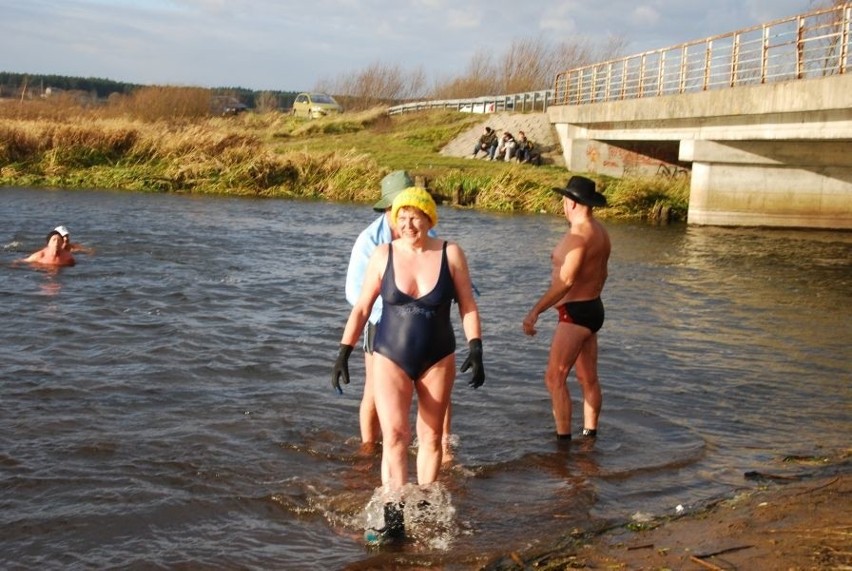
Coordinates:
(582, 190)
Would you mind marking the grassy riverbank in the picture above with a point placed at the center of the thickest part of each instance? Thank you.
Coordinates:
(275, 155)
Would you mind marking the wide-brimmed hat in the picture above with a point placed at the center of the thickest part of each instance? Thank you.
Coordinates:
(392, 185)
(417, 198)
(582, 190)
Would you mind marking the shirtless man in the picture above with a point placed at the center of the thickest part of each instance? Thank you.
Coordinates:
(54, 254)
(579, 273)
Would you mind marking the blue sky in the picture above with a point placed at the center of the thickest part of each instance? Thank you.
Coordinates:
(290, 46)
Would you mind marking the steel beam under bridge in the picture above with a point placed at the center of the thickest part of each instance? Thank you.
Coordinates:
(778, 154)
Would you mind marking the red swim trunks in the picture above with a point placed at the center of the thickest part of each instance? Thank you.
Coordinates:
(588, 314)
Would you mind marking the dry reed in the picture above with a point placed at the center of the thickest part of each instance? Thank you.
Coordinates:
(339, 158)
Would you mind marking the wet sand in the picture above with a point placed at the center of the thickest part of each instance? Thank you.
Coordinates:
(780, 523)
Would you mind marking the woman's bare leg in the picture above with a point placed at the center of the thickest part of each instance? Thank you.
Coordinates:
(393, 391)
(433, 398)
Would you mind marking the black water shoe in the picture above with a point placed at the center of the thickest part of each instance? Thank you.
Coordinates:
(393, 530)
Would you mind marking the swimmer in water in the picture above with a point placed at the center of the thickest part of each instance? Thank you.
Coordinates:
(53, 254)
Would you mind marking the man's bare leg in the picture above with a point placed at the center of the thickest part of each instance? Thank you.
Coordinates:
(587, 376)
(568, 339)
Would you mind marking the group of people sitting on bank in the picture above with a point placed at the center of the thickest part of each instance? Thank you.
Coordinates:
(507, 147)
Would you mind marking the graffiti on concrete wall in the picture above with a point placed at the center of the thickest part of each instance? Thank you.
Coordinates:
(671, 171)
(623, 158)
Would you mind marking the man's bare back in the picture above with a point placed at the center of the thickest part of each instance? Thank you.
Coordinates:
(591, 241)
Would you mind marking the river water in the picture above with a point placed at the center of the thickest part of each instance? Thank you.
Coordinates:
(166, 402)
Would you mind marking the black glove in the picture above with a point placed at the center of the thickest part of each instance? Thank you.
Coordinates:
(474, 359)
(341, 367)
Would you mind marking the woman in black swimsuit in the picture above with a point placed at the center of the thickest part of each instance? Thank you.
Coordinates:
(418, 277)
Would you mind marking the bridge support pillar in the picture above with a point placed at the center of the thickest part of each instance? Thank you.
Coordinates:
(770, 183)
(773, 154)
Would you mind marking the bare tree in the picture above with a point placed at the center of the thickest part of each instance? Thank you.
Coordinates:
(828, 31)
(820, 4)
(266, 102)
(528, 65)
(479, 78)
(377, 84)
(524, 66)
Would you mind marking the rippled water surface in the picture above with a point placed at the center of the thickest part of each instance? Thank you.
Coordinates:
(166, 402)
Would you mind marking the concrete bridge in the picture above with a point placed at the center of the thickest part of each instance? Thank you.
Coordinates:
(761, 117)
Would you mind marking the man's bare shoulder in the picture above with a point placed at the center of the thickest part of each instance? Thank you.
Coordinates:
(592, 231)
(573, 238)
(46, 261)
(580, 235)
(36, 256)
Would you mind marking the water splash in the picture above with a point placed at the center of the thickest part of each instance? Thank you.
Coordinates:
(430, 517)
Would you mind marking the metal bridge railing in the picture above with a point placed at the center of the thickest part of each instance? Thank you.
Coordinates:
(518, 102)
(814, 44)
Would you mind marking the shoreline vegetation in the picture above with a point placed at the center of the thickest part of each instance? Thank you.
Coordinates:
(155, 145)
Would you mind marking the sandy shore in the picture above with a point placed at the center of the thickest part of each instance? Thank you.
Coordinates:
(781, 523)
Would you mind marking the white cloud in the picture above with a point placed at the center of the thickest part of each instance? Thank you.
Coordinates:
(464, 19)
(645, 15)
(560, 19)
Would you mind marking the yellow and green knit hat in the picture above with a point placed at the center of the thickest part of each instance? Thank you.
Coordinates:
(417, 198)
